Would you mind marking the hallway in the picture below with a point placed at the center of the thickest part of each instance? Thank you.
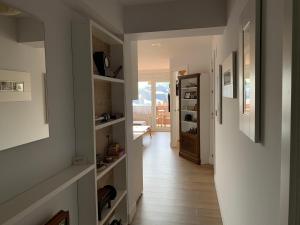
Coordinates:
(176, 192)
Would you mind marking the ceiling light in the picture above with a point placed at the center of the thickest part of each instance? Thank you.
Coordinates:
(155, 44)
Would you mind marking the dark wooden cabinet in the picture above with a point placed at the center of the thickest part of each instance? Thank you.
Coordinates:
(189, 117)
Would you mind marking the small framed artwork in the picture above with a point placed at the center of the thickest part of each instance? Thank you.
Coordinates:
(61, 218)
(15, 86)
(229, 76)
(249, 70)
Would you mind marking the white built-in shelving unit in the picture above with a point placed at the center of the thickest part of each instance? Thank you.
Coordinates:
(94, 95)
(13, 210)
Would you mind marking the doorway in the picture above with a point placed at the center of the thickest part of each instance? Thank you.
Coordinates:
(153, 104)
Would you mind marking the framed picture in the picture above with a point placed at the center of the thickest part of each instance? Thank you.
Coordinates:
(15, 86)
(249, 70)
(61, 218)
(229, 76)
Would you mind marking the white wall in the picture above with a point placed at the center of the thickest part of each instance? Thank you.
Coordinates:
(248, 174)
(174, 15)
(108, 13)
(26, 165)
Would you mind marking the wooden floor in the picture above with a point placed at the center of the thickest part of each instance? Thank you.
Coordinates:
(176, 191)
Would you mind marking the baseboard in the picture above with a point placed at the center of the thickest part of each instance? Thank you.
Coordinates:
(132, 212)
(219, 201)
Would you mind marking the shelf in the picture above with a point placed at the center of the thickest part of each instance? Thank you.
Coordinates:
(189, 99)
(186, 110)
(108, 79)
(110, 167)
(109, 123)
(187, 88)
(15, 209)
(106, 213)
(190, 122)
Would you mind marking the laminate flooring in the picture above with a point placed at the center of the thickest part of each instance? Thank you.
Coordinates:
(176, 191)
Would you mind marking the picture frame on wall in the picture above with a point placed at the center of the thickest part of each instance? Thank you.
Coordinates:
(229, 76)
(250, 70)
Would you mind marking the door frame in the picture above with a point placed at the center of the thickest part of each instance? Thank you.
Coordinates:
(290, 155)
(162, 76)
(174, 104)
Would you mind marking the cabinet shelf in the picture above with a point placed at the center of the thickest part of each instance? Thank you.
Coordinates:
(102, 173)
(15, 209)
(109, 123)
(186, 110)
(108, 79)
(187, 88)
(106, 213)
(189, 122)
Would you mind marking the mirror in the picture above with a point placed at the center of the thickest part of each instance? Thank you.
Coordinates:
(23, 105)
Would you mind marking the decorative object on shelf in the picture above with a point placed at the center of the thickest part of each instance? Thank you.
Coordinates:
(61, 218)
(102, 63)
(108, 159)
(191, 85)
(117, 72)
(114, 150)
(229, 76)
(220, 99)
(182, 72)
(188, 117)
(115, 116)
(106, 117)
(187, 95)
(105, 196)
(190, 95)
(250, 70)
(99, 162)
(192, 131)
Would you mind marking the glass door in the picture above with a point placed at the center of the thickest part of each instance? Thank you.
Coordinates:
(142, 108)
(162, 106)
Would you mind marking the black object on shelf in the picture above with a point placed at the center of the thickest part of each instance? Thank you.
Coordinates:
(105, 196)
(188, 117)
(102, 63)
(116, 222)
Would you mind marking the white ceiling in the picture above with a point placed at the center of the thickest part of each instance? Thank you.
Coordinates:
(138, 2)
(156, 54)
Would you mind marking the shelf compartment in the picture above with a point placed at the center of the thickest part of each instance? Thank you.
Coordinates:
(107, 213)
(101, 174)
(109, 123)
(15, 209)
(108, 79)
